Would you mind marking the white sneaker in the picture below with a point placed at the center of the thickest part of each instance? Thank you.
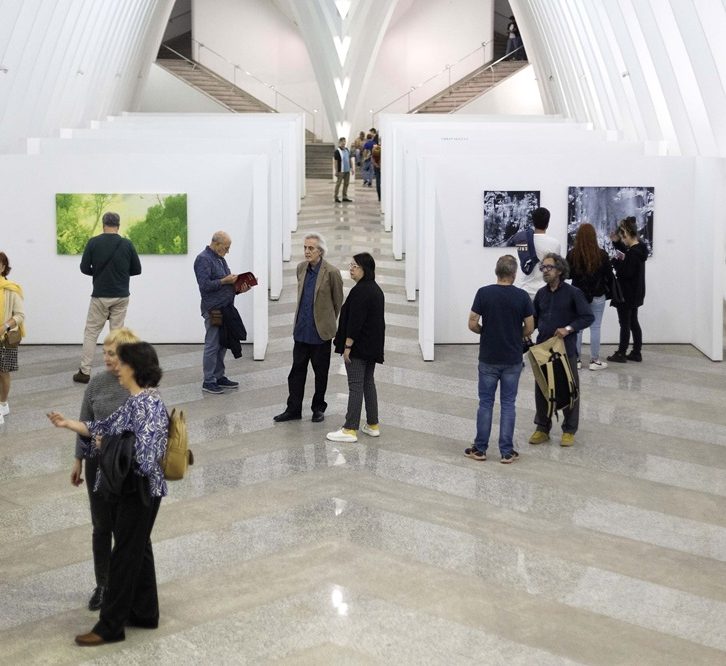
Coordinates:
(4, 409)
(598, 365)
(372, 432)
(2, 419)
(342, 435)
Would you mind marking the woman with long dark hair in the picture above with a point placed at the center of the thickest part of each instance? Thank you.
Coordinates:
(591, 272)
(131, 598)
(630, 269)
(13, 319)
(361, 331)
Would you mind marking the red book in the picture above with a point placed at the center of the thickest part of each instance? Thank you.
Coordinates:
(243, 279)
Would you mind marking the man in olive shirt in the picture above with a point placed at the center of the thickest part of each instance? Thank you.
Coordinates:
(319, 299)
(110, 260)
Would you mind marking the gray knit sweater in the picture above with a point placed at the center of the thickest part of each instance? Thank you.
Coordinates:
(103, 396)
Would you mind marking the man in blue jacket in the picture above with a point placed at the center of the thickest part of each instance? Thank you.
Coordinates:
(216, 286)
(562, 310)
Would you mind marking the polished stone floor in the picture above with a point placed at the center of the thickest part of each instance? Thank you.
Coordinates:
(281, 547)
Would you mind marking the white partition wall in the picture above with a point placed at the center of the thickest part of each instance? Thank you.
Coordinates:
(241, 134)
(165, 299)
(677, 308)
(707, 259)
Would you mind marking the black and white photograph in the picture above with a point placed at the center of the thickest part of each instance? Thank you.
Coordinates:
(604, 207)
(506, 213)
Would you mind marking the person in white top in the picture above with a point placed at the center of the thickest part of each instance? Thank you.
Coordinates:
(543, 244)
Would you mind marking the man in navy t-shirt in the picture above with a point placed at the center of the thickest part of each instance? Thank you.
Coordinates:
(506, 316)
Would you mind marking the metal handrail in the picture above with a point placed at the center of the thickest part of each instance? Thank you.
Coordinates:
(252, 76)
(196, 65)
(445, 91)
(431, 78)
(221, 79)
(442, 93)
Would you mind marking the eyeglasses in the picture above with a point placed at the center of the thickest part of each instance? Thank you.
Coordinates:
(547, 267)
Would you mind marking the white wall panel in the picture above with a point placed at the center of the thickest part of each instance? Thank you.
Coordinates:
(164, 304)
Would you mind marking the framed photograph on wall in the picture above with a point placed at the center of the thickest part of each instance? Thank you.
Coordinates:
(604, 207)
(154, 223)
(505, 213)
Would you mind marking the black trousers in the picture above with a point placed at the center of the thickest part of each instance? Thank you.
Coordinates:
(377, 171)
(628, 320)
(102, 513)
(131, 596)
(571, 417)
(319, 357)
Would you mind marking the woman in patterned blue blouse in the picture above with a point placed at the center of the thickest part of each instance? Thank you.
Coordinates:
(131, 598)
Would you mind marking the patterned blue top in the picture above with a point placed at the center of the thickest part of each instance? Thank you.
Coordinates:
(145, 415)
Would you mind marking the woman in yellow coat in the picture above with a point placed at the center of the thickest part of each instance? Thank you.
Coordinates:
(13, 320)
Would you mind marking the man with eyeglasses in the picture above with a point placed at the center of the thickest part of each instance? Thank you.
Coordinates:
(319, 299)
(562, 310)
(217, 289)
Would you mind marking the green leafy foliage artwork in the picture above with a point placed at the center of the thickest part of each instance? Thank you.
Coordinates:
(154, 223)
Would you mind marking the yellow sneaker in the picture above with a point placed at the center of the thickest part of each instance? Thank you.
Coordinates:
(568, 439)
(539, 437)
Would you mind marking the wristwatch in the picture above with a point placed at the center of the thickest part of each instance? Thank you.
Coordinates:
(569, 328)
(349, 346)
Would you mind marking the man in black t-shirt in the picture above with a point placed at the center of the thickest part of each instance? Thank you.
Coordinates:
(506, 316)
(111, 260)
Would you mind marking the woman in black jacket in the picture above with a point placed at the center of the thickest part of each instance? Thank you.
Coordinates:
(591, 273)
(361, 331)
(630, 270)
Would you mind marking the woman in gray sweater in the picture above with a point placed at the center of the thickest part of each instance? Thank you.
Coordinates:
(103, 396)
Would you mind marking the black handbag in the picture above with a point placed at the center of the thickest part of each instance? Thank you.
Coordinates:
(614, 292)
(115, 465)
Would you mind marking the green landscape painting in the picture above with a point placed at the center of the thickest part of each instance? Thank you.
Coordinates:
(154, 223)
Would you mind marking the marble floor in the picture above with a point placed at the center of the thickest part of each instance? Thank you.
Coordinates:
(281, 547)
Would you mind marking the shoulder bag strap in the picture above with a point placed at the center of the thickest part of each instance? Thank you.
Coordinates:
(98, 272)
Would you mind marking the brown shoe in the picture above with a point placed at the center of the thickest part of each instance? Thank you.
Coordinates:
(81, 377)
(89, 640)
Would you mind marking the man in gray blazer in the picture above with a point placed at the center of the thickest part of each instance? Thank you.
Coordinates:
(319, 299)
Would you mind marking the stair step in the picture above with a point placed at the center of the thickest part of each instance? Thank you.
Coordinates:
(228, 94)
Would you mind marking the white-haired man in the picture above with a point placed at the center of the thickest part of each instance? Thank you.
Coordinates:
(319, 299)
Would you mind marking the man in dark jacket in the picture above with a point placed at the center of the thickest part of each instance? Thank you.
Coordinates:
(111, 260)
(319, 298)
(217, 288)
(343, 167)
(562, 310)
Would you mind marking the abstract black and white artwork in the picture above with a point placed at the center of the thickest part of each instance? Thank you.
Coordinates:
(505, 213)
(604, 207)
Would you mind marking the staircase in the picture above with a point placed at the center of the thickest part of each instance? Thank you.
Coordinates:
(319, 160)
(470, 87)
(214, 86)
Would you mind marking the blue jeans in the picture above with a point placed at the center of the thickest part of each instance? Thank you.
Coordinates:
(507, 376)
(213, 359)
(598, 308)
